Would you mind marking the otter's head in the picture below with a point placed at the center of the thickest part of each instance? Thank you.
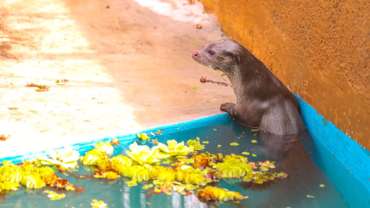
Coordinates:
(224, 55)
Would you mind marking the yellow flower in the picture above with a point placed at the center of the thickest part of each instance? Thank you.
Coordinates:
(66, 158)
(261, 177)
(105, 147)
(120, 163)
(137, 174)
(173, 148)
(48, 175)
(195, 144)
(32, 181)
(10, 173)
(215, 194)
(142, 154)
(147, 186)
(233, 166)
(110, 175)
(96, 158)
(98, 204)
(166, 168)
(266, 165)
(202, 160)
(143, 136)
(6, 186)
(189, 175)
(52, 195)
(164, 174)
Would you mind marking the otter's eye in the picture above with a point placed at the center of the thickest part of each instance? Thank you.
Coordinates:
(210, 52)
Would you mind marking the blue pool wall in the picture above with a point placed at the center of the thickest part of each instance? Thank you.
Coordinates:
(345, 162)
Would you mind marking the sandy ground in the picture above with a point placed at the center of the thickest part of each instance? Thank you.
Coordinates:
(128, 65)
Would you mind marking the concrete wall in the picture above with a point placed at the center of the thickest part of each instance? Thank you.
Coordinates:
(319, 49)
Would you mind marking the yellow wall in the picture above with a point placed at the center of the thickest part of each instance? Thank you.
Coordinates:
(319, 49)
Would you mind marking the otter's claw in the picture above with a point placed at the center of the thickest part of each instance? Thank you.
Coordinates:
(229, 108)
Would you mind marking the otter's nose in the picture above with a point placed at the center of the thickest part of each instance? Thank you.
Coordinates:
(195, 54)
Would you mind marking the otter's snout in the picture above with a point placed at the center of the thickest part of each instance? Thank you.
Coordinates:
(196, 55)
(201, 58)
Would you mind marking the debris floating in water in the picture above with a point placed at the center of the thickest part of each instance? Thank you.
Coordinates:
(234, 144)
(109, 175)
(98, 204)
(212, 194)
(52, 195)
(105, 147)
(253, 130)
(30, 175)
(309, 196)
(65, 159)
(246, 153)
(143, 136)
(115, 142)
(195, 144)
(158, 132)
(166, 168)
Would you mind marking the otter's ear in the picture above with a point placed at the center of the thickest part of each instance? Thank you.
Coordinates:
(234, 57)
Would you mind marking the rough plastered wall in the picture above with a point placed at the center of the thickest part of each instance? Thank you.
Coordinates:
(319, 49)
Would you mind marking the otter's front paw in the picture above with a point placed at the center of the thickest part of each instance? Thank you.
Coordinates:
(229, 108)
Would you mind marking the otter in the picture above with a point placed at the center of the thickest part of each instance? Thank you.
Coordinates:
(262, 100)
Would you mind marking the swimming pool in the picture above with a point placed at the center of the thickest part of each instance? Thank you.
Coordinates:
(337, 175)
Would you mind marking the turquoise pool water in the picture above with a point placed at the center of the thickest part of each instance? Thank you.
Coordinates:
(301, 190)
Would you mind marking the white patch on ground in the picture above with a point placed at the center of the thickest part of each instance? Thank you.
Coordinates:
(87, 107)
(179, 10)
(116, 55)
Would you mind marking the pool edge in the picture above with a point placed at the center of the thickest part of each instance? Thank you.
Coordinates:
(329, 142)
